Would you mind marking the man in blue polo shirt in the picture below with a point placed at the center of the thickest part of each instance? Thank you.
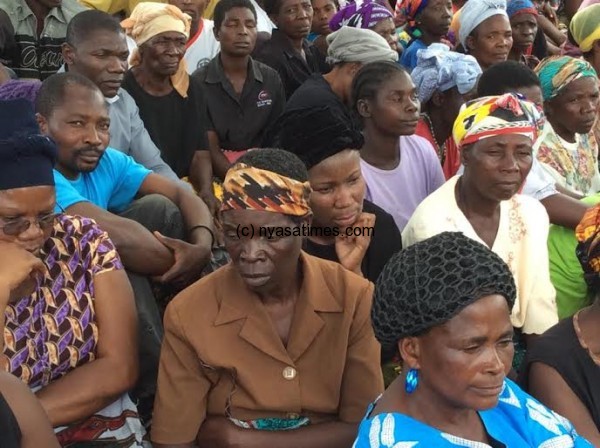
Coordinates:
(146, 215)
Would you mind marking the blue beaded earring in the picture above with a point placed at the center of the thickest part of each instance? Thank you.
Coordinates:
(412, 381)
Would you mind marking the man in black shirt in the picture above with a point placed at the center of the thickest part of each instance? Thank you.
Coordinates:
(243, 96)
(288, 51)
(171, 104)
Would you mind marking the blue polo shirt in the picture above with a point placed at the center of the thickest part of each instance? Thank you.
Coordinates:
(112, 185)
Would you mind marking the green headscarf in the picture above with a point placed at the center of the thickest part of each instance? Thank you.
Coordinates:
(557, 72)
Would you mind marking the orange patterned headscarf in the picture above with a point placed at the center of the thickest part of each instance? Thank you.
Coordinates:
(249, 188)
(588, 249)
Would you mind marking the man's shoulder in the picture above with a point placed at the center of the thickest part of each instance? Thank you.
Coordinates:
(71, 8)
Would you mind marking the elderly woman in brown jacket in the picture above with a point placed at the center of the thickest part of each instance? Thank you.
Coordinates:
(275, 349)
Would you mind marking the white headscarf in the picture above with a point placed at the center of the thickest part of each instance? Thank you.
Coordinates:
(438, 68)
(476, 11)
(358, 45)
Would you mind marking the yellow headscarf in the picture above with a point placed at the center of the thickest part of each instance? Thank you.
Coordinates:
(249, 188)
(496, 115)
(149, 19)
(585, 27)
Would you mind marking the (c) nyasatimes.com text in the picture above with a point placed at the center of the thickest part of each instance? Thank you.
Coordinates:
(303, 231)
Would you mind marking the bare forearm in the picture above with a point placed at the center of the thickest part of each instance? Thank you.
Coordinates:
(201, 172)
(564, 210)
(71, 398)
(324, 435)
(551, 31)
(195, 213)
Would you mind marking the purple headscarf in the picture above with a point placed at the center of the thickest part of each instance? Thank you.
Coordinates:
(367, 15)
(18, 88)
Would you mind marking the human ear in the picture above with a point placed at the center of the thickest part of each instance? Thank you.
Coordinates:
(410, 352)
(470, 43)
(67, 53)
(42, 123)
(364, 108)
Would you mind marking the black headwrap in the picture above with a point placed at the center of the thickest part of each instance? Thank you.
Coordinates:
(26, 157)
(430, 282)
(318, 133)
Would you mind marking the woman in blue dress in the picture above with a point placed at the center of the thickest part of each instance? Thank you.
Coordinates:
(443, 305)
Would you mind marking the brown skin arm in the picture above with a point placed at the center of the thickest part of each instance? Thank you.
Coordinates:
(550, 388)
(564, 210)
(550, 30)
(220, 163)
(35, 428)
(193, 209)
(139, 250)
(571, 7)
(201, 175)
(115, 368)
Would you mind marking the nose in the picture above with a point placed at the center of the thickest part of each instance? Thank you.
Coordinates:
(343, 199)
(117, 66)
(589, 106)
(92, 137)
(494, 364)
(413, 105)
(510, 162)
(33, 232)
(252, 250)
(302, 13)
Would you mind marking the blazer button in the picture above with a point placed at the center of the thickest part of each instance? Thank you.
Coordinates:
(289, 373)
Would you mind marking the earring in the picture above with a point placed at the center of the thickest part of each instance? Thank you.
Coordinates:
(412, 381)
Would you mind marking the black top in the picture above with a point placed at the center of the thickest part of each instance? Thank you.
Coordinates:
(279, 54)
(176, 125)
(560, 349)
(240, 122)
(315, 92)
(385, 242)
(10, 433)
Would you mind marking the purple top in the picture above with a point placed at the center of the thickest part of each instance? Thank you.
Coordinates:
(401, 190)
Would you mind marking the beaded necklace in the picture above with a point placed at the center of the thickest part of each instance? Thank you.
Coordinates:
(440, 149)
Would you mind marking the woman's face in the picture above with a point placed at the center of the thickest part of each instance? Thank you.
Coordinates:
(395, 109)
(387, 29)
(575, 109)
(465, 360)
(265, 258)
(323, 11)
(338, 190)
(436, 17)
(524, 28)
(491, 41)
(29, 210)
(497, 166)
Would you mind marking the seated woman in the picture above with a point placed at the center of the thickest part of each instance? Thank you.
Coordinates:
(585, 30)
(563, 367)
(328, 145)
(567, 148)
(443, 78)
(279, 351)
(444, 306)
(23, 421)
(523, 22)
(71, 333)
(393, 159)
(428, 23)
(370, 14)
(485, 31)
(495, 135)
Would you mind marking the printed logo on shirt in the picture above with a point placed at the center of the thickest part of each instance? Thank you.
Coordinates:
(202, 62)
(264, 99)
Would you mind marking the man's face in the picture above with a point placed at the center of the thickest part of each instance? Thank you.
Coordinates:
(102, 58)
(193, 8)
(237, 34)
(294, 18)
(80, 128)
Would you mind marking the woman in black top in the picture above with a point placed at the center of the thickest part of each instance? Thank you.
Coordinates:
(345, 228)
(563, 366)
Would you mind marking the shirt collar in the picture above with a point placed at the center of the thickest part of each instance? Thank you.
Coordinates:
(24, 11)
(215, 73)
(279, 39)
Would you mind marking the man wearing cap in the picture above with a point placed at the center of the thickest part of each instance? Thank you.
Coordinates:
(243, 96)
(349, 49)
(171, 106)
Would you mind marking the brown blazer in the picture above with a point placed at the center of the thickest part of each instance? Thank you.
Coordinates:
(221, 354)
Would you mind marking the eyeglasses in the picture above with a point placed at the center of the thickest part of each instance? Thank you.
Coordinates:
(17, 226)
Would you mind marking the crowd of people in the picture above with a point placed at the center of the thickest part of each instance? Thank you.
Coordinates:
(299, 223)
